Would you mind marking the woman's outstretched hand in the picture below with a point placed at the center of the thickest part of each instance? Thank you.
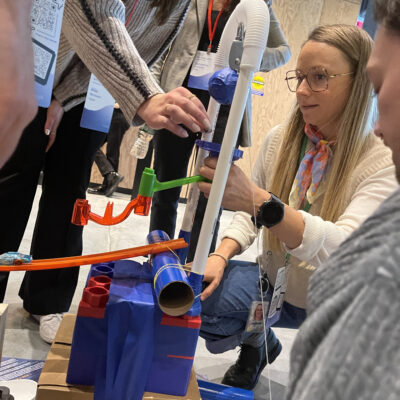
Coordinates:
(173, 109)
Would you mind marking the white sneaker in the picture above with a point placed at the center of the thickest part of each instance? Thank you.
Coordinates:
(49, 325)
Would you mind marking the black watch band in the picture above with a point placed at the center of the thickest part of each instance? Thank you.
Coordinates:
(270, 213)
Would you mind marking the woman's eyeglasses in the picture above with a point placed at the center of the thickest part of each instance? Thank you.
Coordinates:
(317, 79)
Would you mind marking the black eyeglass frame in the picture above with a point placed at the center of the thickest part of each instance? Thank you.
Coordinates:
(302, 76)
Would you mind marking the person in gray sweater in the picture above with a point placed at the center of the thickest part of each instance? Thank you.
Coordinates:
(348, 347)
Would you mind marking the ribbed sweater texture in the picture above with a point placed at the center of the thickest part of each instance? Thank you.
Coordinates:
(94, 32)
(348, 347)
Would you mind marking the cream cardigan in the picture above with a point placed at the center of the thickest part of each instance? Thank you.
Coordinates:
(372, 182)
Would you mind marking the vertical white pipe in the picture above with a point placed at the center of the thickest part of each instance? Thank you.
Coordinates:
(255, 16)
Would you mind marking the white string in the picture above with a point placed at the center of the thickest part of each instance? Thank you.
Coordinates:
(260, 276)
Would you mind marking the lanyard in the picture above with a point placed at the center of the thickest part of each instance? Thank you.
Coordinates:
(131, 13)
(212, 29)
(307, 206)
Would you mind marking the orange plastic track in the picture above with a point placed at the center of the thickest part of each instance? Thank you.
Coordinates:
(82, 211)
(66, 262)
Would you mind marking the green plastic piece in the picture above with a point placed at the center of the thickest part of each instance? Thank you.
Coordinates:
(149, 184)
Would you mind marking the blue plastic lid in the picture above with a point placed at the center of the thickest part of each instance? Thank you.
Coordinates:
(222, 85)
(215, 148)
(157, 236)
(216, 391)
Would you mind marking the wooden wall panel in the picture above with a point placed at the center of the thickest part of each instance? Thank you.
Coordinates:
(344, 12)
(297, 18)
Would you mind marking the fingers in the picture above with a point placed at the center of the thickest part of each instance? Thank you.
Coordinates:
(208, 172)
(179, 116)
(187, 109)
(175, 108)
(52, 139)
(54, 115)
(167, 123)
(187, 94)
(209, 290)
(48, 126)
(211, 162)
(205, 188)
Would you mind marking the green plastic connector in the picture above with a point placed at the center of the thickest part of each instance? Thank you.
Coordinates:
(146, 187)
(149, 184)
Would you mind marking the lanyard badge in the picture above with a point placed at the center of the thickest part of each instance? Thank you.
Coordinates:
(256, 318)
(46, 21)
(278, 295)
(204, 61)
(99, 104)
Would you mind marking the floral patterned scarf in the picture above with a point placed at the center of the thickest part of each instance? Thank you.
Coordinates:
(312, 169)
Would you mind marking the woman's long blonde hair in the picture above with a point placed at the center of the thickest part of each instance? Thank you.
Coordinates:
(353, 129)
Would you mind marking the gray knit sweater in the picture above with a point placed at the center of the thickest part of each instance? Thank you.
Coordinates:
(118, 56)
(349, 346)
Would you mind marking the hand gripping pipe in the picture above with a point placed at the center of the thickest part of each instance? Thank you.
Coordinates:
(212, 112)
(254, 15)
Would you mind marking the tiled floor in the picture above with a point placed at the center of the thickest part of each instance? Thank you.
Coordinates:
(22, 337)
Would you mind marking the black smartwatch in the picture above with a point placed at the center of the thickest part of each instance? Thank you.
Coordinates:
(270, 213)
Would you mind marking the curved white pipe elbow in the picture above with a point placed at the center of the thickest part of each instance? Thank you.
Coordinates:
(254, 15)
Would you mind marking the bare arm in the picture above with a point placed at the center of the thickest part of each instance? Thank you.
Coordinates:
(95, 31)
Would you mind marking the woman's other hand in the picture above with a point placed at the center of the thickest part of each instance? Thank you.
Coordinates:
(55, 113)
(213, 274)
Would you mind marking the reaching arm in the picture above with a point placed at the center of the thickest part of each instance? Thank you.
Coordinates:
(96, 32)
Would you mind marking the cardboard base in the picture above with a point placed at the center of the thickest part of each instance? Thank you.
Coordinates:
(52, 382)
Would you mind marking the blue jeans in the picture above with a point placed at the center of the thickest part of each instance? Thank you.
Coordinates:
(225, 312)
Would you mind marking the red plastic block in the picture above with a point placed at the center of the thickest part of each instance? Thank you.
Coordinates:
(143, 205)
(93, 303)
(184, 321)
(81, 213)
(100, 281)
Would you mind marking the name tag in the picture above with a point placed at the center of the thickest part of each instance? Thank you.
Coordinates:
(46, 21)
(99, 107)
(278, 296)
(202, 69)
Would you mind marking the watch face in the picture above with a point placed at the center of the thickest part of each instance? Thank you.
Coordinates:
(272, 212)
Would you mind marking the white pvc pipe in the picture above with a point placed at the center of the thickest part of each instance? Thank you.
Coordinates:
(254, 15)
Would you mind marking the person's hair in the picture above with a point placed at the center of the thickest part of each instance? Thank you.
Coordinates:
(354, 128)
(164, 9)
(387, 12)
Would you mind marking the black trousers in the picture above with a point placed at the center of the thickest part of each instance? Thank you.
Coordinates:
(109, 162)
(66, 173)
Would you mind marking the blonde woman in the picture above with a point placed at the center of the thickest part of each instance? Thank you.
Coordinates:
(316, 179)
